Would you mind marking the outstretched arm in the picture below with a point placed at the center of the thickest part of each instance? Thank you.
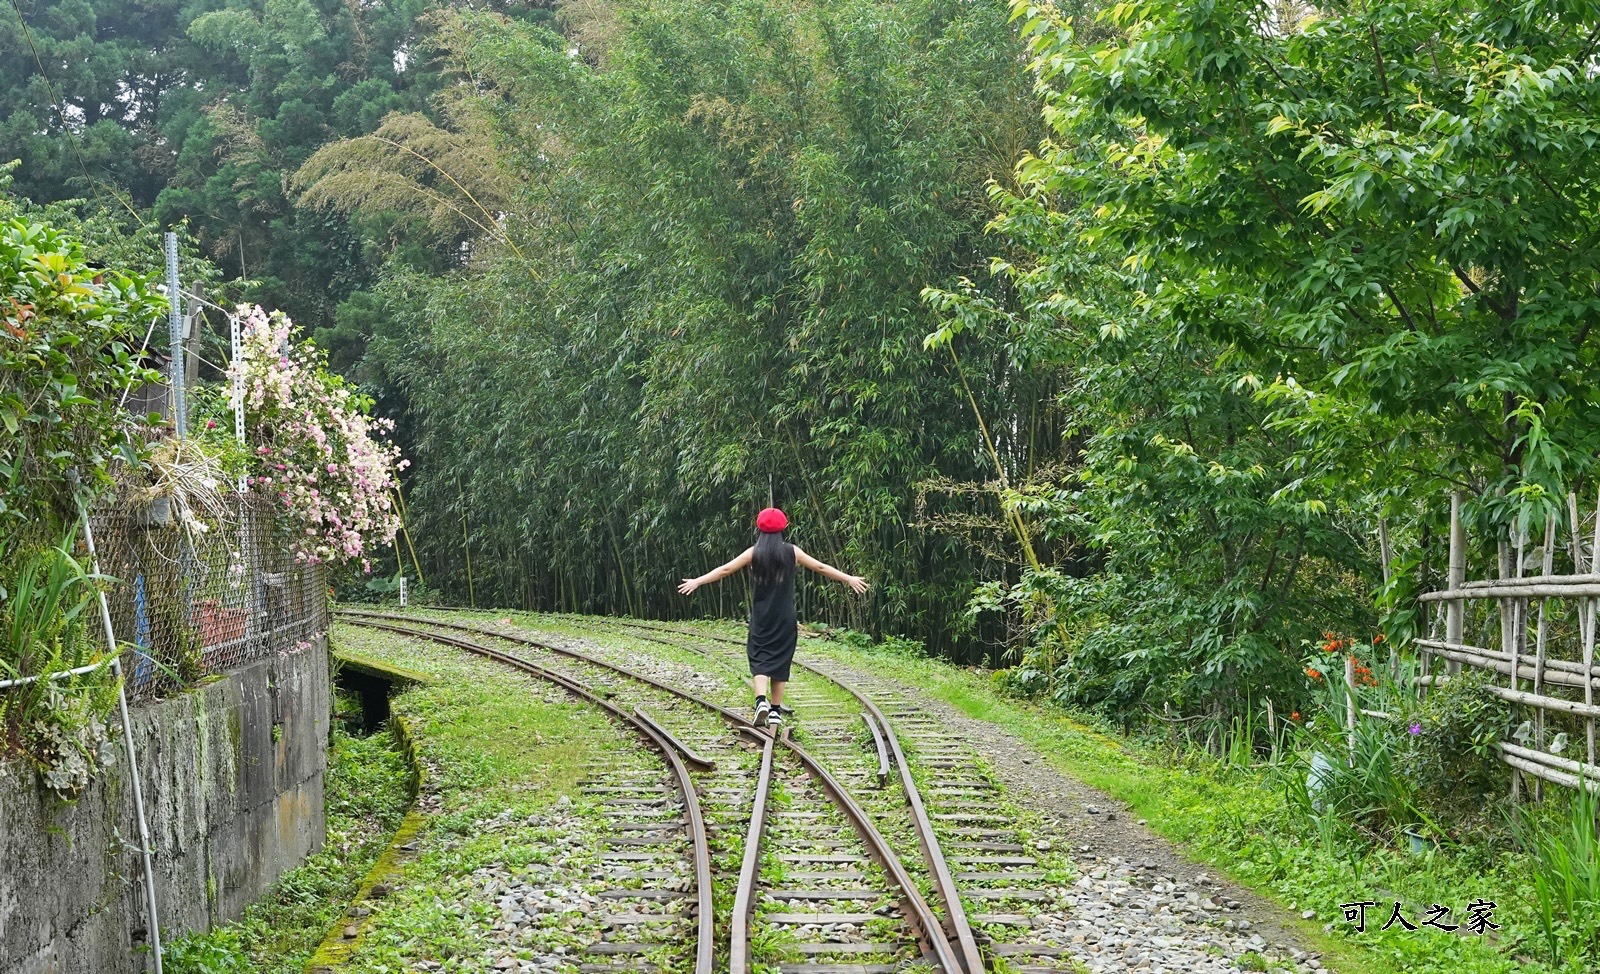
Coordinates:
(856, 582)
(716, 574)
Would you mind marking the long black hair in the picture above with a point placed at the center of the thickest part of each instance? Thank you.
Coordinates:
(772, 562)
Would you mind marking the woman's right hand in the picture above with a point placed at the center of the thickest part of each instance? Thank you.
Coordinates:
(688, 586)
(857, 584)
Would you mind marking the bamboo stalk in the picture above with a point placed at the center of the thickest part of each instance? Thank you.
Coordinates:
(1589, 632)
(1507, 613)
(1558, 677)
(405, 532)
(1568, 666)
(1544, 773)
(1573, 579)
(1523, 697)
(1519, 637)
(1547, 702)
(1455, 609)
(1556, 586)
(1546, 567)
(1589, 771)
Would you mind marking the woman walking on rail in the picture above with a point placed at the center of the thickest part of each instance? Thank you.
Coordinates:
(773, 631)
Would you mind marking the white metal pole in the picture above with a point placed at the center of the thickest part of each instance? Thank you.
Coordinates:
(237, 371)
(133, 758)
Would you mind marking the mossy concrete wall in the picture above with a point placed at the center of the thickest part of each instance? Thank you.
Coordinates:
(232, 775)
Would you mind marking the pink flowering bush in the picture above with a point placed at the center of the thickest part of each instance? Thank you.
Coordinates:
(317, 451)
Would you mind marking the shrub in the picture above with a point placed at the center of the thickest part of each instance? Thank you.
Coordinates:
(1451, 734)
(68, 334)
(1565, 854)
(46, 626)
(1347, 778)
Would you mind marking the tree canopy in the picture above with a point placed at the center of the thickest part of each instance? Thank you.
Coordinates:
(1106, 336)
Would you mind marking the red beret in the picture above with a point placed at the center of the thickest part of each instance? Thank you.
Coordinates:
(771, 521)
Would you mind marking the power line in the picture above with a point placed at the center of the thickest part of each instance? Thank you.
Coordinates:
(66, 127)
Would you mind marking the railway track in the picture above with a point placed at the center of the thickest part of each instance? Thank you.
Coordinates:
(657, 848)
(813, 877)
(991, 877)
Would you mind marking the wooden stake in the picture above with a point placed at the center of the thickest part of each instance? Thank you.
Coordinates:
(1546, 567)
(1455, 611)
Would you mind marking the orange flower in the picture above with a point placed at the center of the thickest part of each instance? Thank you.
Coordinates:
(1295, 715)
(1314, 673)
(1377, 639)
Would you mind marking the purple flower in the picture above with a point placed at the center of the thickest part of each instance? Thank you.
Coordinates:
(1415, 728)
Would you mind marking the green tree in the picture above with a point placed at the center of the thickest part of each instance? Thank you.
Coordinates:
(1308, 267)
(197, 111)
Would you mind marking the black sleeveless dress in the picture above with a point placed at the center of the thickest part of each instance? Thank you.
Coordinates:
(773, 631)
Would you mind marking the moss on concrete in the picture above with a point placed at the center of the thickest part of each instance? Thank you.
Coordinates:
(337, 946)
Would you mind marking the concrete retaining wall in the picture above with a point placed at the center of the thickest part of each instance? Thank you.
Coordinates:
(232, 776)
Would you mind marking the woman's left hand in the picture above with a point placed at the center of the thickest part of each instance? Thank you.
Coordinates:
(857, 584)
(688, 586)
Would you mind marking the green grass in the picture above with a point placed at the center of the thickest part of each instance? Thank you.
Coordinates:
(366, 798)
(1239, 822)
(494, 743)
(491, 742)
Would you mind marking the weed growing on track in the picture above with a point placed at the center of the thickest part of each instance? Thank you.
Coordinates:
(499, 750)
(1239, 820)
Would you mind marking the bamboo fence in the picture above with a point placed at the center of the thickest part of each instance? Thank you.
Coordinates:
(1537, 630)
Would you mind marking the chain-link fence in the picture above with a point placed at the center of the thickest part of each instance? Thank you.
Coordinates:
(194, 596)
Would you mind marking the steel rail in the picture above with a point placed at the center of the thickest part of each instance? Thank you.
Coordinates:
(956, 925)
(690, 756)
(917, 910)
(744, 899)
(705, 947)
(877, 742)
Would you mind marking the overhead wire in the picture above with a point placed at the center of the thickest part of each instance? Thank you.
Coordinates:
(61, 113)
(95, 185)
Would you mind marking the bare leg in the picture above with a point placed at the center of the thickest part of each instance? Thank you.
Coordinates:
(759, 682)
(777, 691)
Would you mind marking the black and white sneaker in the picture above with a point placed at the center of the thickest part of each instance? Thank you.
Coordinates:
(763, 711)
(775, 720)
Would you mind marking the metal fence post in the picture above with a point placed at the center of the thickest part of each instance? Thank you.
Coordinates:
(175, 367)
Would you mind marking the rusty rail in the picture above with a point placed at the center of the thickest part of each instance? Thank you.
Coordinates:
(744, 900)
(956, 924)
(877, 742)
(917, 910)
(670, 748)
(690, 756)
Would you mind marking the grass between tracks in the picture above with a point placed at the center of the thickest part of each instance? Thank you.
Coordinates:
(498, 750)
(1239, 822)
